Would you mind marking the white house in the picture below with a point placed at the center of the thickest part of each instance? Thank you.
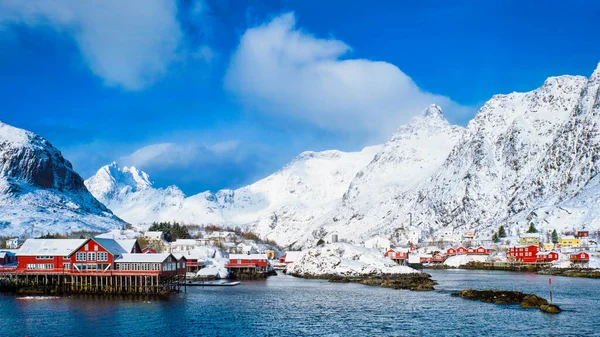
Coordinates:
(378, 242)
(13, 243)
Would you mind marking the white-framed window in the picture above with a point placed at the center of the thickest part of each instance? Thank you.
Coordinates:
(102, 256)
(96, 248)
(91, 256)
(80, 256)
(66, 265)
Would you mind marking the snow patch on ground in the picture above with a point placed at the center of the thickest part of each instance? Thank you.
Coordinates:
(461, 260)
(344, 259)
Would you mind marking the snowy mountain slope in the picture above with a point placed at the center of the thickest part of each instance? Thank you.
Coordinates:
(405, 160)
(531, 156)
(312, 180)
(39, 187)
(129, 193)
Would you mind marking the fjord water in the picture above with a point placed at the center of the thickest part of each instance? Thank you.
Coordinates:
(287, 306)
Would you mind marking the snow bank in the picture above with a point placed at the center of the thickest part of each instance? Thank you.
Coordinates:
(345, 260)
(460, 260)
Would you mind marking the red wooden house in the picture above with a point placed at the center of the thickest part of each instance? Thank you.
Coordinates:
(523, 254)
(439, 258)
(582, 234)
(396, 254)
(481, 250)
(470, 251)
(580, 257)
(46, 255)
(425, 259)
(248, 262)
(461, 250)
(547, 256)
(450, 251)
(164, 264)
(148, 250)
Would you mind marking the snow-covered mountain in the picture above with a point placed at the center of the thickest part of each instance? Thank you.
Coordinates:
(525, 157)
(39, 188)
(313, 180)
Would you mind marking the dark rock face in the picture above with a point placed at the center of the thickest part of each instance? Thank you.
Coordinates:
(526, 301)
(32, 161)
(414, 281)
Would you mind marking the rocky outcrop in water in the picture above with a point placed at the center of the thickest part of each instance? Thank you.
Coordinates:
(526, 301)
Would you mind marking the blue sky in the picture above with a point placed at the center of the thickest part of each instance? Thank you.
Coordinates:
(216, 94)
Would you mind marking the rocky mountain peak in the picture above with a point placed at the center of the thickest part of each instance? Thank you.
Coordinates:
(433, 110)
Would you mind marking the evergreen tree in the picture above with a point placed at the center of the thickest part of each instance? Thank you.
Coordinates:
(501, 232)
(495, 237)
(532, 228)
(554, 237)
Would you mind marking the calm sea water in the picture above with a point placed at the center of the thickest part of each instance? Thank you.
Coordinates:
(287, 306)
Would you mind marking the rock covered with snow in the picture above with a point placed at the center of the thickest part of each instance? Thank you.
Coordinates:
(38, 187)
(346, 260)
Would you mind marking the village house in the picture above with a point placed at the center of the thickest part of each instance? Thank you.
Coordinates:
(581, 257)
(523, 254)
(164, 264)
(289, 257)
(247, 263)
(548, 246)
(569, 241)
(469, 235)
(451, 251)
(379, 243)
(13, 243)
(526, 239)
(148, 250)
(398, 255)
(7, 257)
(461, 250)
(183, 245)
(547, 256)
(582, 234)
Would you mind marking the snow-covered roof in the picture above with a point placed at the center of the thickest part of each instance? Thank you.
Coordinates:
(248, 256)
(530, 235)
(44, 247)
(127, 244)
(545, 253)
(154, 234)
(567, 237)
(292, 256)
(184, 242)
(179, 256)
(143, 258)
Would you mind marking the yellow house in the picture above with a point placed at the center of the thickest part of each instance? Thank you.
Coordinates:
(569, 241)
(548, 246)
(527, 239)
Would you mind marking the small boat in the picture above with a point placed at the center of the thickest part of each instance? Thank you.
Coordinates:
(211, 284)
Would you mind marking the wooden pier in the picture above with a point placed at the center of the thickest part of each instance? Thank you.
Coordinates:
(91, 283)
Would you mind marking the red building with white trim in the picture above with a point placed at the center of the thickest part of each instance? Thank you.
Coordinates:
(450, 251)
(248, 262)
(461, 250)
(580, 257)
(523, 254)
(547, 256)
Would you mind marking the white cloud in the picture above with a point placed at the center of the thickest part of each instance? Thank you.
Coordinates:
(280, 69)
(165, 155)
(127, 43)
